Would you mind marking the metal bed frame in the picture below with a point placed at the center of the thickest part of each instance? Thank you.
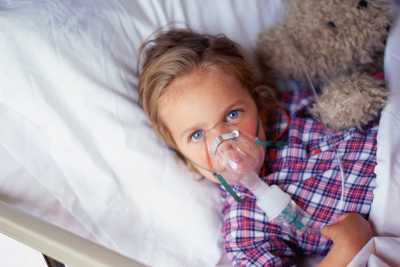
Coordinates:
(60, 246)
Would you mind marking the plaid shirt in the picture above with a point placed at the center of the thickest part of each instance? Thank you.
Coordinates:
(308, 168)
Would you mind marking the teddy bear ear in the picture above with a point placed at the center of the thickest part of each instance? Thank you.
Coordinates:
(362, 4)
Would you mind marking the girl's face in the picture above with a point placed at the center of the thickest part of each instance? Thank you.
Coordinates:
(199, 106)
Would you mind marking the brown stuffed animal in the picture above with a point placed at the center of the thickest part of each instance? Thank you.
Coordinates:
(333, 46)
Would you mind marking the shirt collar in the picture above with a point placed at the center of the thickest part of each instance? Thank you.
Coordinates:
(292, 104)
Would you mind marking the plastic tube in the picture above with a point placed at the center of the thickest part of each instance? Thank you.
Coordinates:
(277, 204)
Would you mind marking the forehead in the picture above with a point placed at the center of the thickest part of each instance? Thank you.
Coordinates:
(204, 83)
(199, 96)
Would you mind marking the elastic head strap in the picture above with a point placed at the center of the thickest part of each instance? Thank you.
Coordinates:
(222, 181)
(276, 143)
(227, 186)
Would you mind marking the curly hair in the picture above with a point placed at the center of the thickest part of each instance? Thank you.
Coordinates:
(177, 52)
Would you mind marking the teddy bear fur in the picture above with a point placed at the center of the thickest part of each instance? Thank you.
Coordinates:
(332, 47)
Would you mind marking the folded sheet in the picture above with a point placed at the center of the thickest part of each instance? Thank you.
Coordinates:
(383, 250)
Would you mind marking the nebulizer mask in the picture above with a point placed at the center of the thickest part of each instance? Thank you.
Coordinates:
(236, 158)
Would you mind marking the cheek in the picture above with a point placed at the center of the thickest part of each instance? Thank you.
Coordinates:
(195, 153)
(249, 127)
(208, 175)
(198, 155)
(249, 124)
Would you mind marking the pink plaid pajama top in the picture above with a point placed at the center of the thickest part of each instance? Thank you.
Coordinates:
(307, 167)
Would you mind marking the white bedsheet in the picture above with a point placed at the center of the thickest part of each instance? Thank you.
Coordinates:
(383, 250)
(386, 203)
(85, 157)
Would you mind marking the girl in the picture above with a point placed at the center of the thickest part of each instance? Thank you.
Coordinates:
(196, 88)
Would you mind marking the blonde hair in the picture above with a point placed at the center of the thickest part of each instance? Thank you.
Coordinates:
(177, 52)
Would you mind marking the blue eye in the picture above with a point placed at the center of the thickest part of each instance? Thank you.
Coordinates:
(232, 115)
(196, 136)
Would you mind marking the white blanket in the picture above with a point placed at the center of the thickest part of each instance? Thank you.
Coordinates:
(75, 148)
(384, 249)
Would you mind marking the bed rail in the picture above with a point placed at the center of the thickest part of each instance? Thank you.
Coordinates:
(57, 243)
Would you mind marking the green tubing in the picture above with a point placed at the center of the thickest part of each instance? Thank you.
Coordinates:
(277, 144)
(227, 187)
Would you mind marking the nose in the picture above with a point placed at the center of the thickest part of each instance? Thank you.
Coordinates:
(231, 150)
(221, 129)
(218, 133)
(227, 146)
(220, 139)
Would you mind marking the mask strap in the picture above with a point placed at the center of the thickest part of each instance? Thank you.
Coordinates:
(222, 181)
(268, 143)
(226, 186)
(276, 143)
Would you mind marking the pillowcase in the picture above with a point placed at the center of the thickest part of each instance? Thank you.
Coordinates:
(80, 151)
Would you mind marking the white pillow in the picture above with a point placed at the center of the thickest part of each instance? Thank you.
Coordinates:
(75, 138)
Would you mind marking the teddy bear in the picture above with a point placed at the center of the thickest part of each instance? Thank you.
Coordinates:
(332, 47)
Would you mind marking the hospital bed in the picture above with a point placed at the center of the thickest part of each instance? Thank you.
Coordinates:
(83, 178)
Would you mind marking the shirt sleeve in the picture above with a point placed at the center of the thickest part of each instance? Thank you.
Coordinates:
(249, 240)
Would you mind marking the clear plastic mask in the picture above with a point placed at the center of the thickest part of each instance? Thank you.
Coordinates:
(234, 154)
(237, 157)
(231, 154)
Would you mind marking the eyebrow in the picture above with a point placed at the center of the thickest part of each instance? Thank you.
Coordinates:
(237, 102)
